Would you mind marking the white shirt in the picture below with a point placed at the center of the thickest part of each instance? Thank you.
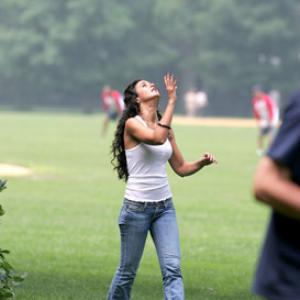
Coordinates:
(146, 165)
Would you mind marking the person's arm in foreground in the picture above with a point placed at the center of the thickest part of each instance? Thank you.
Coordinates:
(184, 168)
(273, 187)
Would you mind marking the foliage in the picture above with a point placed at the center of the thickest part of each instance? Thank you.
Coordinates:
(62, 52)
(2, 187)
(9, 278)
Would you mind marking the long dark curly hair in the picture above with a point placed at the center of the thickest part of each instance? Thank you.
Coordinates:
(118, 148)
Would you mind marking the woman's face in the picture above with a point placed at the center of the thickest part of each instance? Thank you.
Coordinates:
(146, 90)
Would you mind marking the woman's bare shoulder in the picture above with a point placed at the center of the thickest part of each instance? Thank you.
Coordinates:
(133, 122)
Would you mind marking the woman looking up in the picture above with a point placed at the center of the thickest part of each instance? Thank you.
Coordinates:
(144, 142)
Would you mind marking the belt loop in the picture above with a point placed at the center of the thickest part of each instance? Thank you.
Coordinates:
(145, 205)
(165, 203)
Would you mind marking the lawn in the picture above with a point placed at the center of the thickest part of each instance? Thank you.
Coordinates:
(61, 222)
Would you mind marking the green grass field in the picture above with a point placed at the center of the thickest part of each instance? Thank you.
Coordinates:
(61, 223)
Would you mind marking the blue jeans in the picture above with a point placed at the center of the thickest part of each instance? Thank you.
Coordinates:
(135, 220)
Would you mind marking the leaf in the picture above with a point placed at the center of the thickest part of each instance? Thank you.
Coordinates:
(6, 293)
(7, 266)
(17, 279)
(2, 185)
(2, 211)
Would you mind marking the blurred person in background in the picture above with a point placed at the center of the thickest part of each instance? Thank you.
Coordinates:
(276, 97)
(112, 105)
(265, 113)
(277, 184)
(194, 101)
(144, 142)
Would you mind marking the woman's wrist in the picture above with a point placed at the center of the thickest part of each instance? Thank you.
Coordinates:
(200, 164)
(172, 100)
(164, 125)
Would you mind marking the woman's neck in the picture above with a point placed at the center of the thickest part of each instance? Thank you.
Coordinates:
(149, 113)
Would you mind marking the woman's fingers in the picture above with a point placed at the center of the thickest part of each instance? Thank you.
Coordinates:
(210, 158)
(170, 81)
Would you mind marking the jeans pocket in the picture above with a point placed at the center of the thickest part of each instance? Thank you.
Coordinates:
(170, 205)
(122, 216)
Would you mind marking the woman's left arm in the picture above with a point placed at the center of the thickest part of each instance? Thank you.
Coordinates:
(182, 167)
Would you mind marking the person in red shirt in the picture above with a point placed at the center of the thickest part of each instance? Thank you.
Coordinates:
(112, 105)
(264, 109)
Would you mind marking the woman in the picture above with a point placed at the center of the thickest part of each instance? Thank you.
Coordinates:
(143, 143)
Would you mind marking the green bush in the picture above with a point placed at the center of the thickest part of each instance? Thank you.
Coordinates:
(8, 276)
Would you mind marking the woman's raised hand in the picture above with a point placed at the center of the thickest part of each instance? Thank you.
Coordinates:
(171, 86)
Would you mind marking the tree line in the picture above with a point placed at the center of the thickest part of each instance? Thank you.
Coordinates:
(60, 53)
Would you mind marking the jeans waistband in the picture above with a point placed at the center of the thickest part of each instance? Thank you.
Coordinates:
(161, 203)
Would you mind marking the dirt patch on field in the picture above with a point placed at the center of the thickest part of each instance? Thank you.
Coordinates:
(14, 170)
(217, 122)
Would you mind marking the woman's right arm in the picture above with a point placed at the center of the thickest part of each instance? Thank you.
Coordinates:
(171, 87)
(157, 136)
(142, 134)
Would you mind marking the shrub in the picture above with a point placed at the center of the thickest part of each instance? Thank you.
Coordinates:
(8, 276)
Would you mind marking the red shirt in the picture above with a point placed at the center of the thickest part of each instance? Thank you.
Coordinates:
(111, 101)
(263, 109)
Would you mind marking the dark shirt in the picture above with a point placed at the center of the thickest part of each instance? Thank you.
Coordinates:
(278, 272)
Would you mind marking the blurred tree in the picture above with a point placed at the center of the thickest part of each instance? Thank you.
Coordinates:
(62, 52)
(247, 43)
(59, 49)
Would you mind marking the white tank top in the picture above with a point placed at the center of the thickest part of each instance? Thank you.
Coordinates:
(146, 164)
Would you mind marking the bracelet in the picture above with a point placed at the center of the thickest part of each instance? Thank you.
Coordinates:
(164, 126)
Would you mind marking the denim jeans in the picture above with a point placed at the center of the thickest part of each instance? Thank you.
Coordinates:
(135, 220)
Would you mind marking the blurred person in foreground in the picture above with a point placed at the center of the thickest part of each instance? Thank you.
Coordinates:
(112, 105)
(277, 184)
(264, 110)
(144, 142)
